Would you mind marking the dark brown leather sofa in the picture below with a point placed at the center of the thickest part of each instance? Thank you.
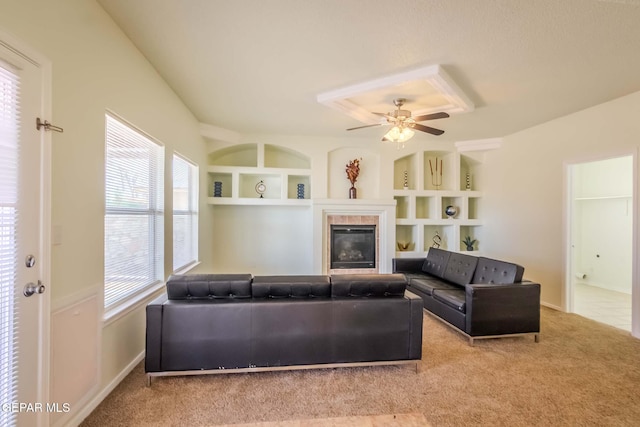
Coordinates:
(212, 323)
(481, 297)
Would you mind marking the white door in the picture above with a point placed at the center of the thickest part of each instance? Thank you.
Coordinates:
(23, 334)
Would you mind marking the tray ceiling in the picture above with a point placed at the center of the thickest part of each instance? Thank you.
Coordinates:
(427, 90)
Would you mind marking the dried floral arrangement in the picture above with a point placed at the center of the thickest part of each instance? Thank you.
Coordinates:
(353, 170)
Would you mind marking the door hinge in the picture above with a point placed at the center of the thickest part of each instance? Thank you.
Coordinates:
(47, 126)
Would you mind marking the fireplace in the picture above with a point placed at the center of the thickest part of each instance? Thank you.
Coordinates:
(353, 246)
(379, 215)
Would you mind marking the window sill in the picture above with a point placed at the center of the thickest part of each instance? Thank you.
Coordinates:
(187, 268)
(135, 302)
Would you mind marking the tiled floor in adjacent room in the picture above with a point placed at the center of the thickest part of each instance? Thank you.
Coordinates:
(602, 305)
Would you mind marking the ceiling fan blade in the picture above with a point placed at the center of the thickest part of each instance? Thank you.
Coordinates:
(440, 115)
(366, 126)
(427, 129)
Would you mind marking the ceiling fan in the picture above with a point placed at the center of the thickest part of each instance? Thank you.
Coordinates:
(403, 124)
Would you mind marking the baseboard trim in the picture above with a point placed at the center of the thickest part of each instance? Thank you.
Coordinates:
(554, 307)
(93, 403)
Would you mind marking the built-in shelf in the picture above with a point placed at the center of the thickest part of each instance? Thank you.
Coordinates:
(240, 168)
(425, 183)
(257, 201)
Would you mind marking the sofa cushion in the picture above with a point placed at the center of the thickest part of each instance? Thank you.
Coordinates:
(498, 272)
(436, 262)
(368, 285)
(208, 286)
(460, 268)
(454, 298)
(291, 286)
(426, 285)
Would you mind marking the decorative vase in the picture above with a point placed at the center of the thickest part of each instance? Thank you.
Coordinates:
(469, 247)
(217, 189)
(300, 193)
(353, 193)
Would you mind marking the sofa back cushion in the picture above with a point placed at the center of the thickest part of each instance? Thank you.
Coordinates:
(368, 285)
(208, 286)
(291, 286)
(436, 262)
(498, 272)
(460, 268)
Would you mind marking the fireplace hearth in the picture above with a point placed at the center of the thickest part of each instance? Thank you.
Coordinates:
(353, 246)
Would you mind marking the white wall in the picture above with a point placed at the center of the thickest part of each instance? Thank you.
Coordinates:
(95, 68)
(523, 204)
(263, 239)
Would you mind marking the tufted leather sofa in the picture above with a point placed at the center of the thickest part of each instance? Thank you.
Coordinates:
(481, 297)
(212, 323)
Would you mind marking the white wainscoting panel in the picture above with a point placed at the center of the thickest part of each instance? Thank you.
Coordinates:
(75, 336)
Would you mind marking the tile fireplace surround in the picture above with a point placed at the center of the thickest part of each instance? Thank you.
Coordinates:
(381, 213)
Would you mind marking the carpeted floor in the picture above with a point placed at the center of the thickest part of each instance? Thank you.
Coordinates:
(581, 373)
(398, 420)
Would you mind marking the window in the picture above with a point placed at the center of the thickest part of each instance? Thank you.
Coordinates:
(134, 222)
(185, 213)
(9, 136)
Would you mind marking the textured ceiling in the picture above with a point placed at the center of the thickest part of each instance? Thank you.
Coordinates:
(255, 66)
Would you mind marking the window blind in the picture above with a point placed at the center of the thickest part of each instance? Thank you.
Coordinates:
(134, 228)
(9, 137)
(185, 212)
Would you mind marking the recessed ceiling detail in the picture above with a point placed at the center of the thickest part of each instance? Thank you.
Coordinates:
(427, 90)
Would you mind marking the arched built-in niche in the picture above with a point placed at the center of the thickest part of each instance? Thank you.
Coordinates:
(235, 155)
(368, 183)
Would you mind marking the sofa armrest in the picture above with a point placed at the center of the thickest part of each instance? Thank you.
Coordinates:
(407, 265)
(415, 341)
(154, 334)
(502, 309)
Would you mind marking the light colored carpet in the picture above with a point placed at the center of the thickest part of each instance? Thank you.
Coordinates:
(581, 373)
(397, 420)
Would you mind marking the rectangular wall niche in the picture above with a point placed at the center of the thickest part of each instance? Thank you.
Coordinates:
(353, 246)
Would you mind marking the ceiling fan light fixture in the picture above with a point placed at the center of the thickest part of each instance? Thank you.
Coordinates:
(399, 135)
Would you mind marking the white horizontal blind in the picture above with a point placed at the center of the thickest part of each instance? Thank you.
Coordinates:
(185, 212)
(133, 226)
(9, 137)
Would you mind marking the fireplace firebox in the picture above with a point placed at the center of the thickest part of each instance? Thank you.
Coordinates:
(353, 246)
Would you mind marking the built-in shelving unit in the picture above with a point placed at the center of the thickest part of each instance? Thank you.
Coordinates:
(435, 180)
(241, 167)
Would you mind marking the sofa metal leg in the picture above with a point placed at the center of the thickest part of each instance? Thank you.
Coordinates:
(536, 337)
(148, 380)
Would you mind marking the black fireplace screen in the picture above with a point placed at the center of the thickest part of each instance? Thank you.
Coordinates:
(353, 246)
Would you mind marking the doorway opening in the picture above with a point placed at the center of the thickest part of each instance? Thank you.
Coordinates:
(601, 228)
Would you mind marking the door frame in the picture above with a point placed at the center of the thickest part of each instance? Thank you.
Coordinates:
(567, 296)
(22, 49)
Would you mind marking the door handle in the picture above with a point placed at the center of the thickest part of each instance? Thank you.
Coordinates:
(32, 288)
